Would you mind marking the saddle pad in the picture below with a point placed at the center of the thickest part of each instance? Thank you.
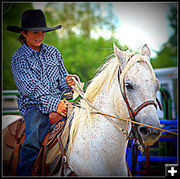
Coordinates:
(8, 138)
(13, 132)
(9, 142)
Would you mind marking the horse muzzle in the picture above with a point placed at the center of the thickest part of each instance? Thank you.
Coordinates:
(149, 135)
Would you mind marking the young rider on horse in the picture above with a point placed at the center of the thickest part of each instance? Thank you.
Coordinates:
(43, 84)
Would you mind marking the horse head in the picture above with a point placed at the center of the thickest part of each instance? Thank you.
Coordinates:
(138, 86)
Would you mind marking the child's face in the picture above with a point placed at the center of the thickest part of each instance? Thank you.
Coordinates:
(34, 38)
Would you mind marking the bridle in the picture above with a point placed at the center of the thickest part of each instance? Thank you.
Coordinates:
(133, 113)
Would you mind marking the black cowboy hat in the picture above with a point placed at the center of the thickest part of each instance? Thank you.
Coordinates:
(32, 20)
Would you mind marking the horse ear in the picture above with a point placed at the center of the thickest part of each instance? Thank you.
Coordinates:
(146, 51)
(120, 56)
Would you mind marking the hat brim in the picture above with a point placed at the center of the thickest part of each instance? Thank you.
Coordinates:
(19, 29)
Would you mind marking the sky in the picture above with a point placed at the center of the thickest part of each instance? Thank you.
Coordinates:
(139, 23)
(143, 23)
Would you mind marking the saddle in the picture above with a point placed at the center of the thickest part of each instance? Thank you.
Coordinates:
(52, 151)
(13, 138)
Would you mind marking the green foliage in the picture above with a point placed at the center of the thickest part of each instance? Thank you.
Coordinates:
(167, 56)
(172, 42)
(81, 18)
(11, 16)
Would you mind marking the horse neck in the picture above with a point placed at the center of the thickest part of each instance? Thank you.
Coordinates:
(110, 101)
(100, 142)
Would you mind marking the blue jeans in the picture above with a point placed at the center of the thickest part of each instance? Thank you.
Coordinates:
(37, 126)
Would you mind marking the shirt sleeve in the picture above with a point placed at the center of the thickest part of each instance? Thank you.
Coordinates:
(60, 60)
(63, 72)
(30, 86)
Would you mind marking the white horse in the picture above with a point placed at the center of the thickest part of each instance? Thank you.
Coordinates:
(97, 147)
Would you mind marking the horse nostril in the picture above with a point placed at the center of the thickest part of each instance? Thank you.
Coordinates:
(144, 131)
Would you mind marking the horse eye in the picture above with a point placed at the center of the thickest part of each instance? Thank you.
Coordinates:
(129, 86)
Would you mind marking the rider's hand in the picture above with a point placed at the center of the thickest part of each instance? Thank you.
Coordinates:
(70, 82)
(62, 108)
(60, 113)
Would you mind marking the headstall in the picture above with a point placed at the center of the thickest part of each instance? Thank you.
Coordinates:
(133, 113)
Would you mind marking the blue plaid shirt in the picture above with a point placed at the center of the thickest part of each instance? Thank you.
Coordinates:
(39, 77)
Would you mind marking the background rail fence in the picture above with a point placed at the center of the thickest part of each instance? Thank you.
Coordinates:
(9, 102)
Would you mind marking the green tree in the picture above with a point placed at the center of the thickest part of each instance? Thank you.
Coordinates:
(11, 16)
(111, 19)
(172, 42)
(80, 18)
(167, 56)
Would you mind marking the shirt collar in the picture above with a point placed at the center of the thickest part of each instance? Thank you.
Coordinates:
(43, 48)
(27, 51)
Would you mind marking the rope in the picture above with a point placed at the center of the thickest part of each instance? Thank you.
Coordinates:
(81, 93)
(134, 122)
